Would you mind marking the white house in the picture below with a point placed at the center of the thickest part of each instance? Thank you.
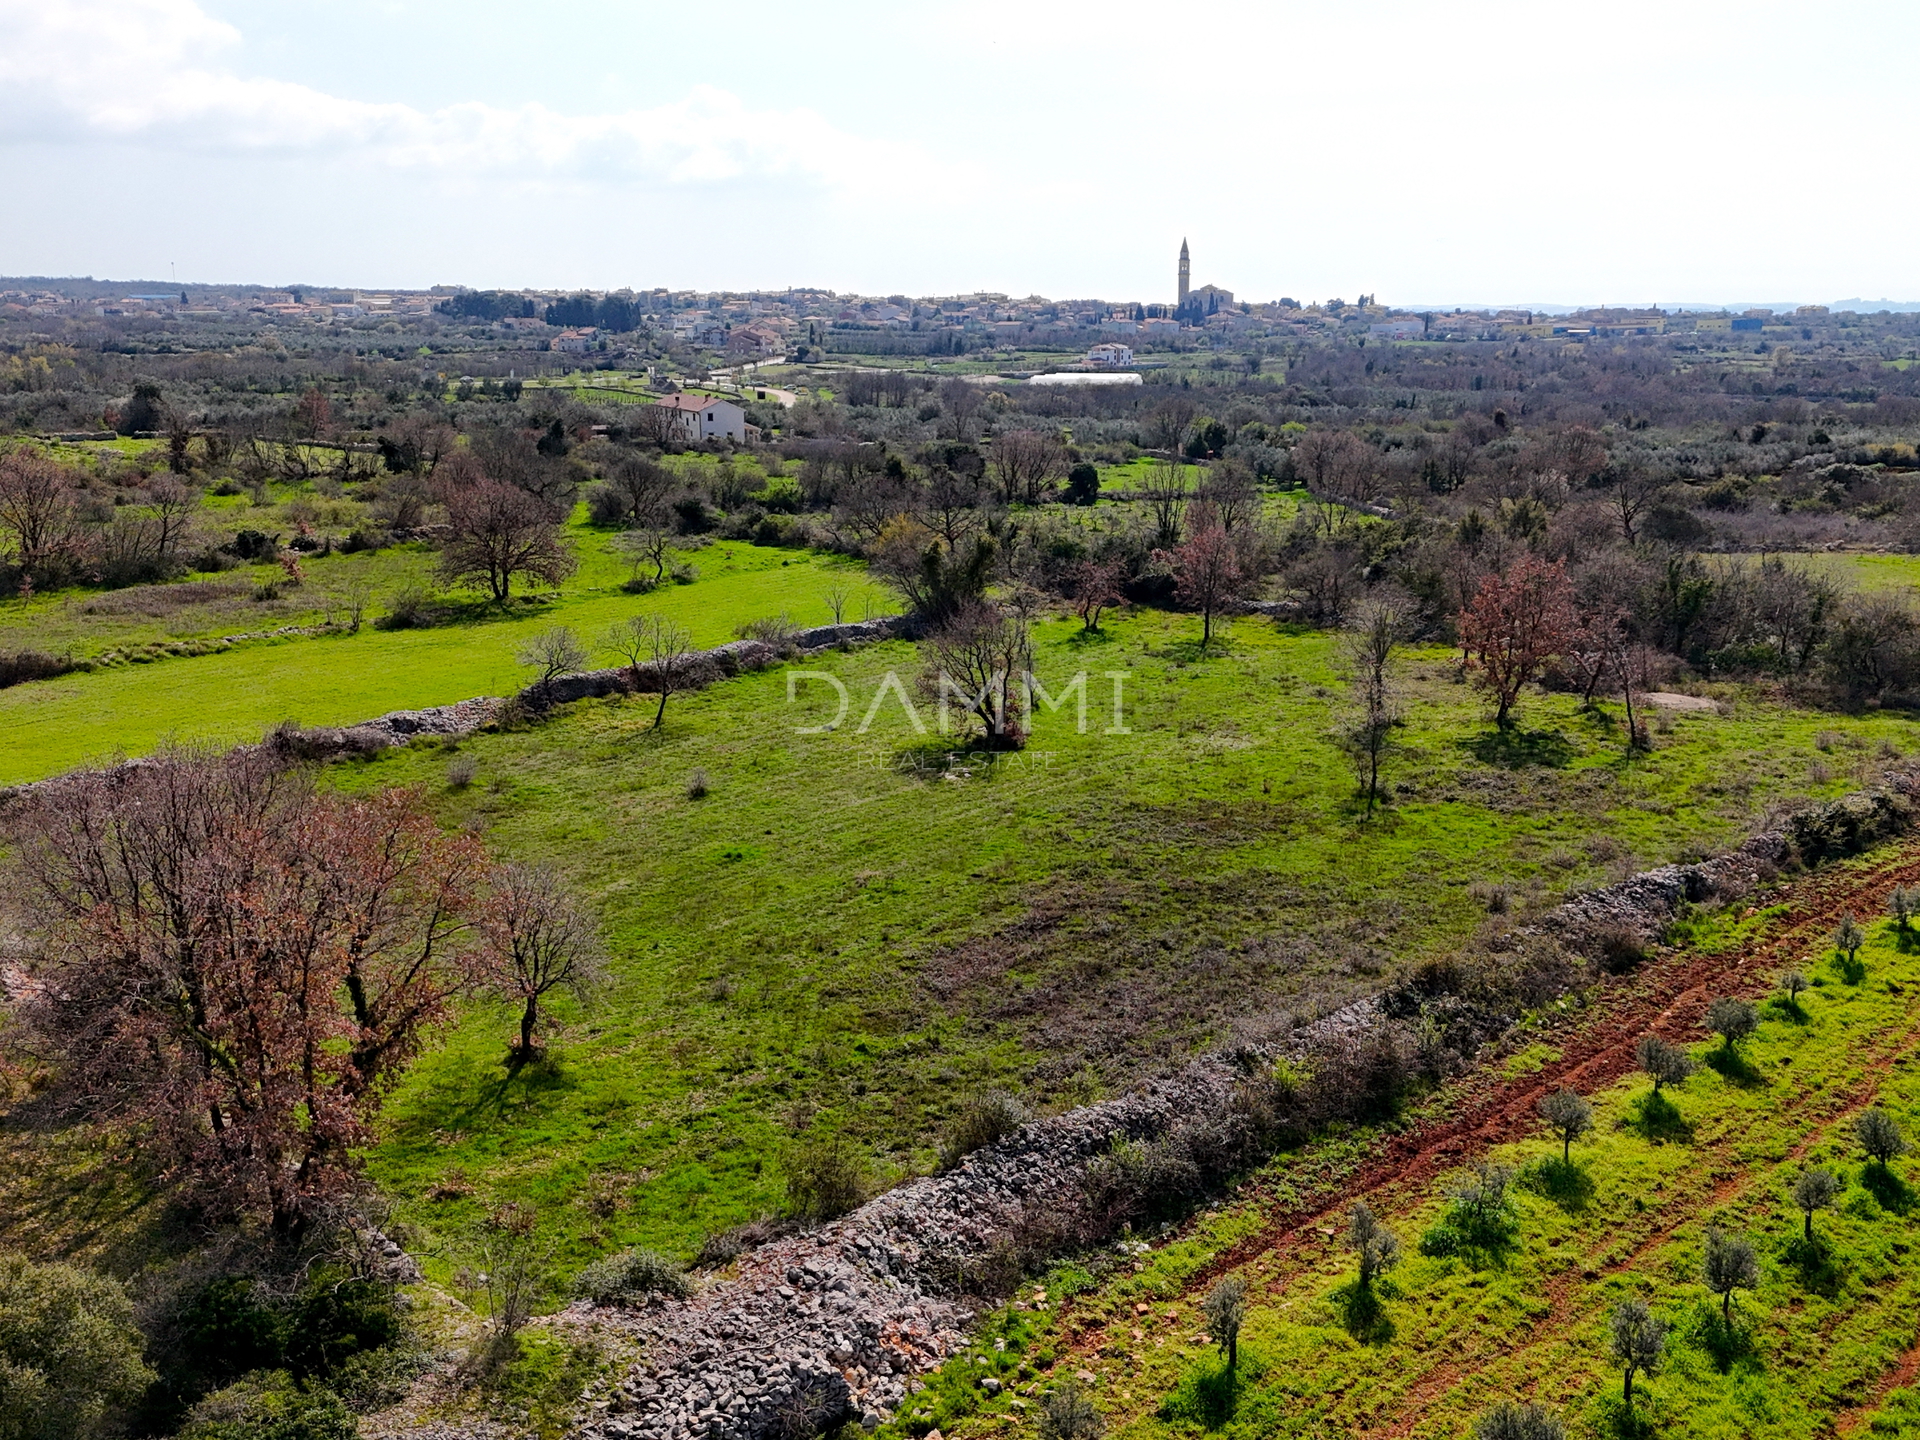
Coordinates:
(1111, 356)
(707, 417)
(575, 342)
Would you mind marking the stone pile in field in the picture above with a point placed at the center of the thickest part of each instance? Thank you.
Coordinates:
(817, 1328)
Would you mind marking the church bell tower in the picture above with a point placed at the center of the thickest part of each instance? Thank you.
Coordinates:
(1186, 274)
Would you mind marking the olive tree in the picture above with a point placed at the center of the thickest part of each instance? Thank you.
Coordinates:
(1639, 1340)
(1901, 905)
(1849, 937)
(1728, 1264)
(1377, 1247)
(1879, 1135)
(1067, 1412)
(1795, 984)
(1507, 1421)
(1814, 1188)
(1732, 1020)
(1667, 1063)
(1226, 1311)
(1568, 1116)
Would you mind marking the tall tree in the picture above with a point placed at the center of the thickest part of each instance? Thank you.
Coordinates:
(498, 531)
(541, 943)
(236, 965)
(1210, 574)
(979, 660)
(1366, 738)
(1516, 624)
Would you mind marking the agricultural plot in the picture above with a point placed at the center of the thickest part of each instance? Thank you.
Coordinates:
(850, 932)
(1818, 1339)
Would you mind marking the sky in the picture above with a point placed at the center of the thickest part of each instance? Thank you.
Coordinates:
(1448, 151)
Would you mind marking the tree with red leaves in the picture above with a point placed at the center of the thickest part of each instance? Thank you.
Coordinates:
(1209, 573)
(1096, 588)
(1516, 624)
(235, 965)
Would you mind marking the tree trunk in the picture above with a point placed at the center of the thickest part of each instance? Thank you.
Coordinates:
(527, 1019)
(661, 714)
(1809, 1218)
(1629, 1386)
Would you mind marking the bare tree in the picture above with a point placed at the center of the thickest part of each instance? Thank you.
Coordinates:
(1025, 464)
(953, 505)
(1209, 573)
(836, 596)
(1167, 426)
(1229, 487)
(1165, 489)
(660, 657)
(979, 659)
(239, 964)
(1517, 623)
(541, 943)
(37, 520)
(962, 402)
(1096, 588)
(1368, 736)
(496, 532)
(554, 652)
(639, 490)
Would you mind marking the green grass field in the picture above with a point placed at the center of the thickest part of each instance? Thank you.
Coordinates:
(51, 725)
(849, 933)
(1445, 1337)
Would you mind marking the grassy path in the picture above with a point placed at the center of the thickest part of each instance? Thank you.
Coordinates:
(1826, 1344)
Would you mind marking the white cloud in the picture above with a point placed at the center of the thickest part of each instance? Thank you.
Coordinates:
(151, 72)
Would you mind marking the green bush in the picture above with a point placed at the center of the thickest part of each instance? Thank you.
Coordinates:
(271, 1405)
(826, 1178)
(630, 1275)
(983, 1119)
(69, 1352)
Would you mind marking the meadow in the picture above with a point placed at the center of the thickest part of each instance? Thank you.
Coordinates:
(1823, 1343)
(155, 685)
(851, 932)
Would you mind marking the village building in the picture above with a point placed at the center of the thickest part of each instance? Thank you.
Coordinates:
(707, 417)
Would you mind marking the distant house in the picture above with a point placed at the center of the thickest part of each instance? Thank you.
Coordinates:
(1111, 356)
(575, 342)
(1397, 329)
(707, 417)
(753, 340)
